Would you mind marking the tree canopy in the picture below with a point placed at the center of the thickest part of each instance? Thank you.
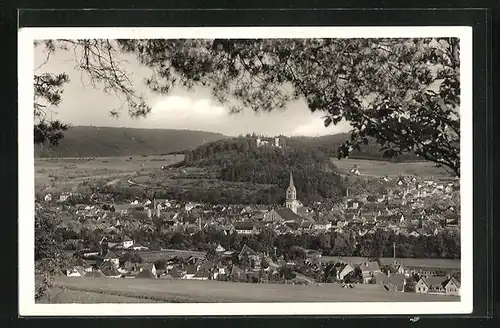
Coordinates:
(404, 93)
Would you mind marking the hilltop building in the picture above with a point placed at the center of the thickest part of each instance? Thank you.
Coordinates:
(268, 142)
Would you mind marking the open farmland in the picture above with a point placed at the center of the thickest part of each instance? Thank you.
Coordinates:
(184, 291)
(66, 174)
(382, 168)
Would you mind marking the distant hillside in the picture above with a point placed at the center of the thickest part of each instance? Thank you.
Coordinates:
(89, 141)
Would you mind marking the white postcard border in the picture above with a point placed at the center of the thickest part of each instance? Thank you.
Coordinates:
(26, 173)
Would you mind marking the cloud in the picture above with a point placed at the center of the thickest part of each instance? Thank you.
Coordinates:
(184, 108)
(316, 127)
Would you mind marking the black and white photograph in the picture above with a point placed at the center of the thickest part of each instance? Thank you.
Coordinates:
(258, 171)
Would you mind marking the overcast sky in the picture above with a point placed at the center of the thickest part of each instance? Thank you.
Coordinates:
(180, 109)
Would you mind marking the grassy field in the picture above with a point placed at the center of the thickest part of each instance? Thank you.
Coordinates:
(380, 168)
(182, 291)
(65, 174)
(63, 295)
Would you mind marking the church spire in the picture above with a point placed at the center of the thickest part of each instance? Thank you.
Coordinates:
(291, 180)
(291, 196)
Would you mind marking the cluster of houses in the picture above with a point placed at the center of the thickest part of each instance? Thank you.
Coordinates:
(396, 277)
(248, 265)
(190, 265)
(405, 208)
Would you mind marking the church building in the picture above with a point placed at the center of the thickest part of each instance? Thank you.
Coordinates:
(294, 211)
(291, 196)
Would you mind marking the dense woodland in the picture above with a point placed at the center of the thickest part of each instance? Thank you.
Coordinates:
(240, 160)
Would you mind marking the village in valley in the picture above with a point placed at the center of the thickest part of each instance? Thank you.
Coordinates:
(363, 238)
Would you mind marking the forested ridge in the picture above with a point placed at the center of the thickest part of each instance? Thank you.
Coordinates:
(92, 141)
(240, 160)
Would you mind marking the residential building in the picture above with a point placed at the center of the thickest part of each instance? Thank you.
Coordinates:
(281, 216)
(438, 285)
(77, 271)
(253, 256)
(246, 228)
(112, 258)
(343, 270)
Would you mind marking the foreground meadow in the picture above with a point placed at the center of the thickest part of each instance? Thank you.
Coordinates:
(64, 296)
(184, 291)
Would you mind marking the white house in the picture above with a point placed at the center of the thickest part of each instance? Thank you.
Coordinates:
(414, 234)
(220, 249)
(111, 257)
(138, 248)
(322, 225)
(75, 272)
(63, 197)
(127, 242)
(189, 206)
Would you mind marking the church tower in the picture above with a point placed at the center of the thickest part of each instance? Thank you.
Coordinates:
(291, 196)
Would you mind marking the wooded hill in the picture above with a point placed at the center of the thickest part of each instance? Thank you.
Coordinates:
(240, 160)
(91, 141)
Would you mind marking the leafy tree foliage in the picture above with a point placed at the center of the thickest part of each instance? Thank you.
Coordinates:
(264, 264)
(404, 93)
(330, 273)
(292, 246)
(287, 272)
(48, 258)
(161, 264)
(100, 62)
